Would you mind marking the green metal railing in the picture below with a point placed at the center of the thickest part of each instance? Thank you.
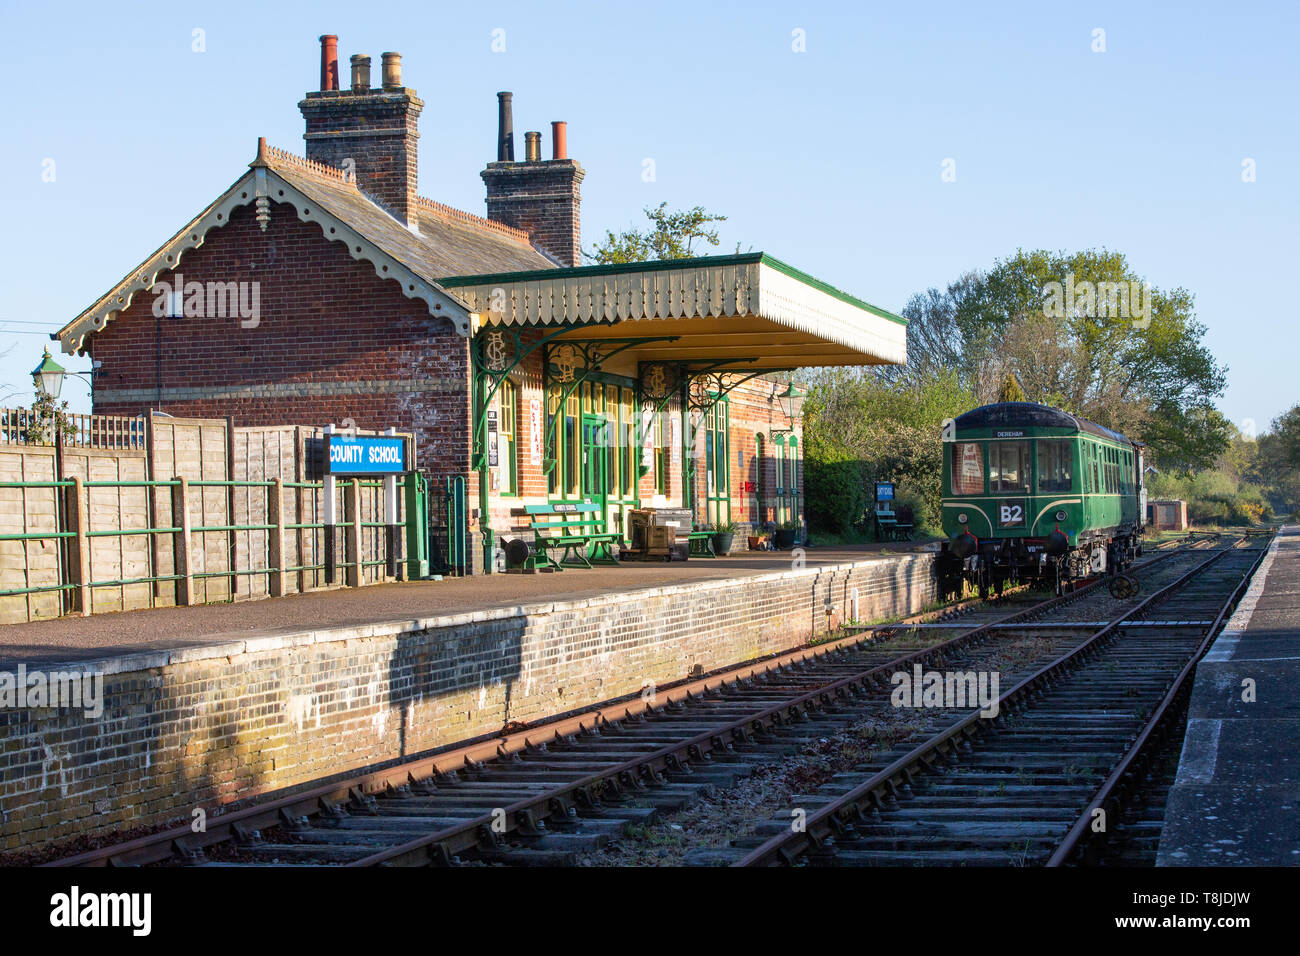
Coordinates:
(71, 498)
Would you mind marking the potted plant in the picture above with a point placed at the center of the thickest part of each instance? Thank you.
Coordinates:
(723, 533)
(784, 537)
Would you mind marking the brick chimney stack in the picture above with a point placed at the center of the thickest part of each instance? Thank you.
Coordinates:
(539, 196)
(372, 132)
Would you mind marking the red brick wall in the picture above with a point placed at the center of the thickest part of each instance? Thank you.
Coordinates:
(544, 199)
(343, 125)
(329, 330)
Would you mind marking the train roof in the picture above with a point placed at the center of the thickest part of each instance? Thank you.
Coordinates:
(1032, 415)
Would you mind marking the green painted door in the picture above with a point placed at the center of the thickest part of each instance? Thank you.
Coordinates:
(717, 462)
(594, 487)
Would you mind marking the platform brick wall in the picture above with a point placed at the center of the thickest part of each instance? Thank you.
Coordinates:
(211, 726)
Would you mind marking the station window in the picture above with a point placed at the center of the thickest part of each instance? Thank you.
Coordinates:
(1054, 461)
(627, 472)
(552, 410)
(967, 468)
(507, 400)
(572, 445)
(1009, 467)
(661, 454)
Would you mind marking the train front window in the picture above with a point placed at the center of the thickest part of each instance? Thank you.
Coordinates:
(967, 468)
(1009, 467)
(1054, 464)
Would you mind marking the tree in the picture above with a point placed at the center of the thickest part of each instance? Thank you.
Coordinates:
(1119, 352)
(1277, 464)
(1010, 390)
(45, 419)
(672, 235)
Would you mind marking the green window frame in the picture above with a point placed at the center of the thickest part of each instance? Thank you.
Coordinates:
(661, 453)
(717, 461)
(1009, 466)
(508, 405)
(1055, 464)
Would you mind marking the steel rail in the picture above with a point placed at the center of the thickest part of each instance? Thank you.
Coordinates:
(828, 820)
(1108, 794)
(153, 848)
(439, 846)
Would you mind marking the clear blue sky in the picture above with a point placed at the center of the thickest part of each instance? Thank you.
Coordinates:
(829, 159)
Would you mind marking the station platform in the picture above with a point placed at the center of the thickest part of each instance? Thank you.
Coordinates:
(1236, 799)
(69, 639)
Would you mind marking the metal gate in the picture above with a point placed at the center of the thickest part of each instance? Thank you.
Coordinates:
(448, 525)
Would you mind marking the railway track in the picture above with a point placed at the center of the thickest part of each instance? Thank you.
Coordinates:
(1060, 776)
(549, 793)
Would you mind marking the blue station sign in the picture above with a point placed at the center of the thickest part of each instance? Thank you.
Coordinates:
(364, 455)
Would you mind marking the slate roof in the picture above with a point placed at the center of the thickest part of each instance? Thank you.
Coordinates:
(1032, 415)
(449, 242)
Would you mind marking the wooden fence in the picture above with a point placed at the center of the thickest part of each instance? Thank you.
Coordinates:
(200, 512)
(18, 426)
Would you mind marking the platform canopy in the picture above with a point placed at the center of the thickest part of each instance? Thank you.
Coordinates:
(746, 311)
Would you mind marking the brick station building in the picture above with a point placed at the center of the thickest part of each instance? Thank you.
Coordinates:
(325, 289)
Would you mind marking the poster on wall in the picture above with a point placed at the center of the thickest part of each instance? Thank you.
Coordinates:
(534, 431)
(492, 437)
(503, 451)
(970, 468)
(647, 441)
(675, 437)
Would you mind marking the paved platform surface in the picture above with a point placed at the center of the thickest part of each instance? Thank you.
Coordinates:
(167, 629)
(1236, 800)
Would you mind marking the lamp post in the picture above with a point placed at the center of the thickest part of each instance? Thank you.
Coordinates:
(48, 376)
(791, 402)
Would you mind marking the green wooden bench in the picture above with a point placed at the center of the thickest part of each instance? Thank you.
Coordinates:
(891, 526)
(575, 529)
(699, 544)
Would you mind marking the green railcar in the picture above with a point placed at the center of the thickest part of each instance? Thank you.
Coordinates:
(1032, 493)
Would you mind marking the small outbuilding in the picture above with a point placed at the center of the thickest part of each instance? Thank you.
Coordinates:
(1167, 514)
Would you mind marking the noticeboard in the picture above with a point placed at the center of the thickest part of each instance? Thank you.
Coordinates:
(884, 491)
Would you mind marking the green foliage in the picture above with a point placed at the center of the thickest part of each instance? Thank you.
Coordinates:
(860, 427)
(1275, 464)
(672, 235)
(47, 417)
(1149, 376)
(1010, 390)
(1213, 497)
